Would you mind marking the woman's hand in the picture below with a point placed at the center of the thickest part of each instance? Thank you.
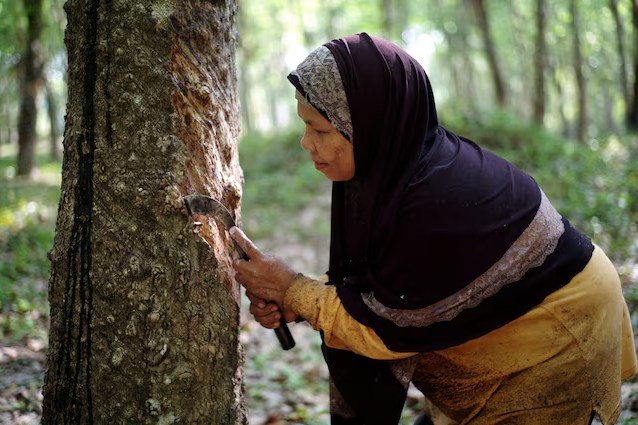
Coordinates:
(267, 314)
(266, 278)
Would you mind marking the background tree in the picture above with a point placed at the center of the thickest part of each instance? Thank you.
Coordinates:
(540, 62)
(490, 50)
(31, 66)
(144, 316)
(622, 54)
(394, 18)
(632, 114)
(54, 126)
(581, 85)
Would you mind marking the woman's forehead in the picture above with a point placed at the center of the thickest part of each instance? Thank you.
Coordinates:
(309, 114)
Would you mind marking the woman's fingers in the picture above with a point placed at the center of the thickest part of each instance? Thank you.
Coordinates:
(264, 275)
(268, 316)
(269, 310)
(246, 244)
(254, 299)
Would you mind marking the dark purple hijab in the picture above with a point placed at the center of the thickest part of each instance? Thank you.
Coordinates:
(427, 212)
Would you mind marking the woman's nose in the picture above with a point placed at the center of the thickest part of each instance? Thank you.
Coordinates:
(306, 143)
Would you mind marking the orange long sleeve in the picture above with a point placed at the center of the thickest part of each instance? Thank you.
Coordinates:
(320, 306)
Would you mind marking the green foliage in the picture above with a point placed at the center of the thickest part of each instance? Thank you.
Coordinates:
(280, 181)
(27, 226)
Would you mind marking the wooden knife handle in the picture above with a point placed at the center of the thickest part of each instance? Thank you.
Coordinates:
(284, 336)
(283, 333)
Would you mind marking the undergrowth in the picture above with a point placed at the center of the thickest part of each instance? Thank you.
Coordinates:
(27, 226)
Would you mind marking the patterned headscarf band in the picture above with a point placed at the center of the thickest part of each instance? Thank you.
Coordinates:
(322, 87)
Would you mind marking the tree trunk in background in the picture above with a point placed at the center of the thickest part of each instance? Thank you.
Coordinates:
(54, 128)
(562, 101)
(522, 82)
(632, 114)
(30, 79)
(394, 19)
(490, 50)
(455, 32)
(387, 18)
(6, 124)
(540, 63)
(581, 89)
(620, 40)
(329, 10)
(144, 311)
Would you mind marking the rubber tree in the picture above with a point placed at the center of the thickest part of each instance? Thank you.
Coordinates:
(540, 62)
(144, 310)
(31, 65)
(482, 17)
(632, 109)
(579, 73)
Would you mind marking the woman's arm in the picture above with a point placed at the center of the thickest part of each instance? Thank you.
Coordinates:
(319, 304)
(268, 278)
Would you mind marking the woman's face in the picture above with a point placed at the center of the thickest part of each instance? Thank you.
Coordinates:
(329, 150)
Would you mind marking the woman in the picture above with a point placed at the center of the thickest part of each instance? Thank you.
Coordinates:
(449, 267)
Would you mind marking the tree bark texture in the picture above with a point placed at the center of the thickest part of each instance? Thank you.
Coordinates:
(490, 50)
(144, 310)
(581, 87)
(540, 62)
(31, 76)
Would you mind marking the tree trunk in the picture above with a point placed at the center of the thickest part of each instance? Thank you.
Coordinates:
(6, 124)
(144, 310)
(394, 19)
(490, 49)
(566, 129)
(620, 40)
(54, 128)
(31, 76)
(540, 63)
(462, 73)
(581, 124)
(632, 114)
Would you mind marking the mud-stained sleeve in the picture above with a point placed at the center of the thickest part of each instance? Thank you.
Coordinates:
(320, 306)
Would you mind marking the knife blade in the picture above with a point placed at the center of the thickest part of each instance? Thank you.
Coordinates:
(210, 207)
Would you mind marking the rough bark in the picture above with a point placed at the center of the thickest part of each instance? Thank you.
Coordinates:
(540, 63)
(144, 312)
(581, 89)
(490, 50)
(31, 77)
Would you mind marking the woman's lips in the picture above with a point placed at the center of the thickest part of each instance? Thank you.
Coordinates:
(320, 165)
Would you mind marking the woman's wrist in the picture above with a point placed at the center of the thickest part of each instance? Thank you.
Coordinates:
(287, 303)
